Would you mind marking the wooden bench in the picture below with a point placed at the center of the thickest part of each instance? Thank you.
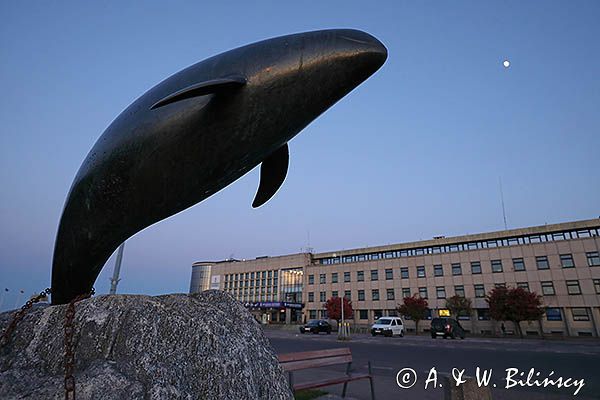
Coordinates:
(322, 358)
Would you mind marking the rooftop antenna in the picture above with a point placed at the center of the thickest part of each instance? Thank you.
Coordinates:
(502, 200)
(308, 249)
(114, 281)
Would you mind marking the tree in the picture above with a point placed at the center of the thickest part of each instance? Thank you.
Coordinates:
(514, 304)
(415, 308)
(459, 305)
(334, 308)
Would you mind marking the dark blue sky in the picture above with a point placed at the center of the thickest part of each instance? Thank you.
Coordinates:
(415, 151)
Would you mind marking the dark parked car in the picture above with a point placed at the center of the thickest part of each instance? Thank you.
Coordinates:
(316, 326)
(446, 327)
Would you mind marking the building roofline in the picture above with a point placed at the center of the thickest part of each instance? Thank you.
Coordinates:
(442, 241)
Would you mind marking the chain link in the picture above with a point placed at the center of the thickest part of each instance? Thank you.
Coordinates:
(18, 316)
(69, 357)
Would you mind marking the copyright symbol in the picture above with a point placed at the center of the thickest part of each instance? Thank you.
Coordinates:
(406, 378)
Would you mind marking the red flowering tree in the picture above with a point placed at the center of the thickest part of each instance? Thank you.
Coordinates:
(334, 308)
(516, 305)
(459, 305)
(415, 308)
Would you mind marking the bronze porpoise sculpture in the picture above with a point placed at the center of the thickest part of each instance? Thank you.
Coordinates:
(195, 133)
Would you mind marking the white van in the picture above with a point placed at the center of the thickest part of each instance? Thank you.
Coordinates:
(388, 326)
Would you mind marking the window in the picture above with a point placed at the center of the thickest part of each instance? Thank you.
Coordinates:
(346, 276)
(440, 292)
(334, 277)
(390, 294)
(322, 278)
(593, 259)
(518, 264)
(334, 293)
(496, 265)
(423, 292)
(363, 314)
(438, 270)
(377, 314)
(558, 236)
(542, 262)
(361, 295)
(483, 314)
(360, 276)
(523, 285)
(404, 272)
(548, 288)
(312, 314)
(311, 297)
(479, 291)
(375, 294)
(389, 274)
(322, 296)
(553, 314)
(459, 290)
(456, 269)
(475, 267)
(348, 294)
(499, 285)
(405, 292)
(421, 271)
(464, 315)
(374, 275)
(583, 233)
(597, 285)
(573, 287)
(580, 314)
(566, 261)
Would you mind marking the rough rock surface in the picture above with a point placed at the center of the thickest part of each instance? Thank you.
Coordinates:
(202, 346)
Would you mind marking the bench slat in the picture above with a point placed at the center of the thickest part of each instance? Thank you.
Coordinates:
(332, 381)
(315, 363)
(309, 355)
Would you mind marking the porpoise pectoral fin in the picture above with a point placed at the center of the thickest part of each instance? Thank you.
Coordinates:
(272, 174)
(202, 89)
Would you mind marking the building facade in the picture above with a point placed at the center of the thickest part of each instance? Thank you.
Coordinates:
(561, 262)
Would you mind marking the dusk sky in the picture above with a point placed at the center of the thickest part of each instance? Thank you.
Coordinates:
(415, 151)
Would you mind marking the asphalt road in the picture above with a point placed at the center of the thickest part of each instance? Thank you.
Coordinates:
(573, 358)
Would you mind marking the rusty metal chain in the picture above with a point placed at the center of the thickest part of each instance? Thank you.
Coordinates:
(69, 358)
(18, 316)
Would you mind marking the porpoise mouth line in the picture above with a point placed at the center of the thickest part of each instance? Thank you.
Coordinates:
(354, 40)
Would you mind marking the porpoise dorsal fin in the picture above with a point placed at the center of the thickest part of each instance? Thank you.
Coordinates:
(272, 174)
(202, 89)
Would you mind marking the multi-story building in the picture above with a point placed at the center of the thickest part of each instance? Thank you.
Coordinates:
(561, 262)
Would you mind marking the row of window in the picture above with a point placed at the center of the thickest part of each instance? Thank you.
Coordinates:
(255, 297)
(573, 288)
(541, 262)
(250, 275)
(251, 280)
(578, 313)
(483, 314)
(487, 244)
